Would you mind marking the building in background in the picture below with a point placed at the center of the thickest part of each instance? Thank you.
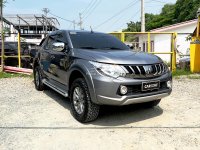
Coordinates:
(162, 42)
(31, 26)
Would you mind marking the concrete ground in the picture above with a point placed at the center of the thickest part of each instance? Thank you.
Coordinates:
(42, 120)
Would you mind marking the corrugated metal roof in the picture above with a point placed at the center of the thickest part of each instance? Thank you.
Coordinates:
(31, 20)
(174, 26)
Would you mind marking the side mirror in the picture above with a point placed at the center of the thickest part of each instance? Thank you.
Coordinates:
(58, 46)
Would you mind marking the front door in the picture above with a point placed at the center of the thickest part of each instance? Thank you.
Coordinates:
(57, 68)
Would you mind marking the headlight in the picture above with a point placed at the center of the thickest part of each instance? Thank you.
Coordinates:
(109, 69)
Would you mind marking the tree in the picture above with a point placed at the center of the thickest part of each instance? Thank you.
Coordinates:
(182, 10)
(186, 9)
(134, 27)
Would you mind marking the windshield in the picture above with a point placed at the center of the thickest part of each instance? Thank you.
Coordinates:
(90, 40)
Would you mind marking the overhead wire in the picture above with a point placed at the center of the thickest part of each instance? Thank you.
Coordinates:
(131, 17)
(61, 18)
(116, 20)
(92, 9)
(159, 1)
(121, 18)
(118, 13)
(88, 6)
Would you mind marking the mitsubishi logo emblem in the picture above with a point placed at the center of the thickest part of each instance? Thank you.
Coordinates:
(148, 70)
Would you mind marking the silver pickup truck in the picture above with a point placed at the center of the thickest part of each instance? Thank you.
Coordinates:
(95, 69)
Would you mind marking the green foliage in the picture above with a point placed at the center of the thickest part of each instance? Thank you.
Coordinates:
(181, 73)
(186, 10)
(194, 76)
(2, 2)
(183, 10)
(134, 27)
(12, 75)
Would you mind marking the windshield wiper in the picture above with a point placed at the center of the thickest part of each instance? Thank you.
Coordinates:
(87, 47)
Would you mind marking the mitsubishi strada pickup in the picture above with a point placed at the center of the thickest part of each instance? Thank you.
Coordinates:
(94, 69)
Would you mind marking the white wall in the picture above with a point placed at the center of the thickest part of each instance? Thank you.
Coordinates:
(14, 37)
(182, 44)
(162, 42)
(35, 41)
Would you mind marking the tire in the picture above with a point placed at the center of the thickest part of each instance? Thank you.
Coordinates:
(83, 109)
(152, 103)
(38, 79)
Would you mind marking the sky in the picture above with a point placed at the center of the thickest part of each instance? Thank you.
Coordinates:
(100, 15)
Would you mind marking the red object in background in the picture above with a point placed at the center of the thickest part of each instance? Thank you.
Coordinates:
(18, 70)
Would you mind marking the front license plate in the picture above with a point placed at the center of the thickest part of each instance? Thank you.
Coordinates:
(149, 86)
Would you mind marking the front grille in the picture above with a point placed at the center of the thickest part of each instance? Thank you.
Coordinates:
(145, 71)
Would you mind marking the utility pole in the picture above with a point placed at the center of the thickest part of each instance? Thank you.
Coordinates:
(46, 11)
(74, 24)
(2, 37)
(142, 17)
(81, 22)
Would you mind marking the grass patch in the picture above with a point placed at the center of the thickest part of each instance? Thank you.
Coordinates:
(13, 75)
(194, 77)
(178, 73)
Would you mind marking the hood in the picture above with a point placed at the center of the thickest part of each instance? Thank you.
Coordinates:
(117, 56)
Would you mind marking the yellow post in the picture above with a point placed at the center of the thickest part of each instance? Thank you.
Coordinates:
(198, 27)
(195, 51)
(149, 42)
(195, 56)
(123, 37)
(19, 50)
(173, 65)
(2, 52)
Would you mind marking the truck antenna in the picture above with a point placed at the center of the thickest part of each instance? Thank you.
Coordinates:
(91, 29)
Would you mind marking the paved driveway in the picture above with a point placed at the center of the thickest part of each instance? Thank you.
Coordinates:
(42, 120)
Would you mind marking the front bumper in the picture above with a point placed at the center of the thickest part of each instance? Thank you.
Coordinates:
(125, 100)
(107, 90)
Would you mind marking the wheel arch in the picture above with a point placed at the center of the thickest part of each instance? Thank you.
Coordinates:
(74, 75)
(83, 72)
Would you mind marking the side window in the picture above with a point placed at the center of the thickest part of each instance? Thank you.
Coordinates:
(59, 37)
(49, 43)
(42, 42)
(52, 39)
(62, 38)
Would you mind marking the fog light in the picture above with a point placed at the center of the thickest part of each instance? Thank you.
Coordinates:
(169, 84)
(123, 90)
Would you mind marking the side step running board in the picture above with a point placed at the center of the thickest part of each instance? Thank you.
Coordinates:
(64, 93)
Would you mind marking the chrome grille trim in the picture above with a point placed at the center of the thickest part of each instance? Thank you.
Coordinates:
(163, 68)
(160, 69)
(125, 69)
(139, 69)
(156, 72)
(132, 70)
(144, 71)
